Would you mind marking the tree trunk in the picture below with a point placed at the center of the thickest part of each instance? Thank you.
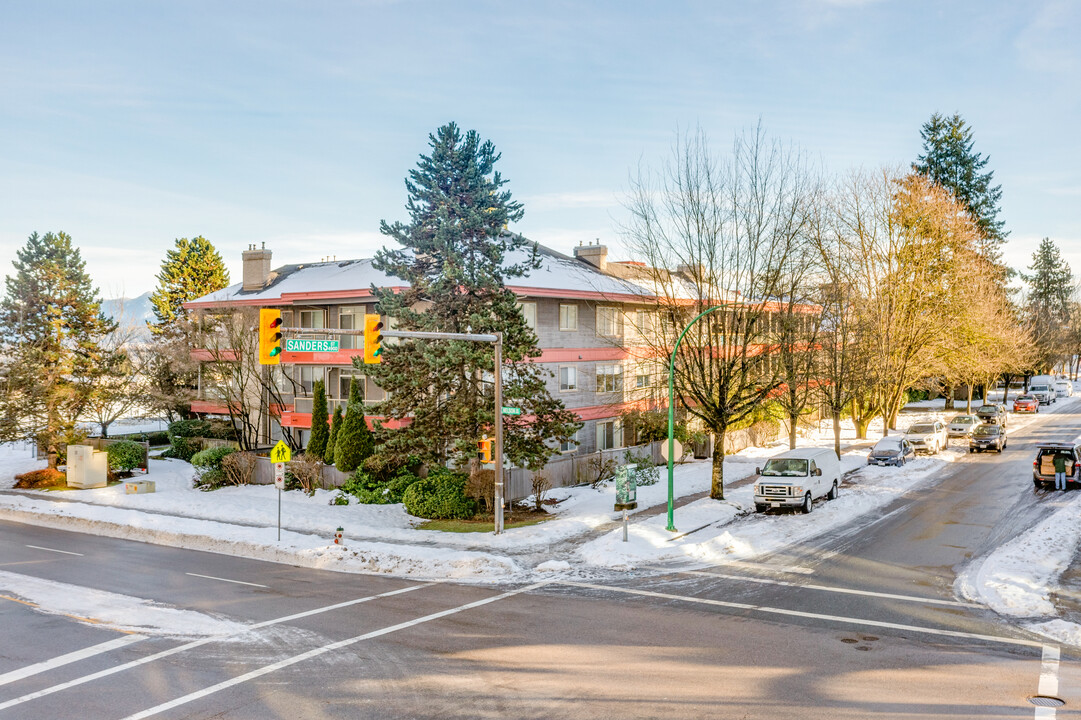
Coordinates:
(716, 488)
(837, 433)
(105, 430)
(885, 423)
(968, 407)
(949, 398)
(792, 421)
(1006, 388)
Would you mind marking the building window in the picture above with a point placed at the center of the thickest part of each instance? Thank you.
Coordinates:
(568, 317)
(607, 321)
(608, 435)
(609, 378)
(529, 312)
(570, 445)
(343, 385)
(312, 319)
(641, 379)
(308, 376)
(350, 318)
(568, 377)
(643, 322)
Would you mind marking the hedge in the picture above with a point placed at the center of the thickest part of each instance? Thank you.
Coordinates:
(440, 496)
(126, 455)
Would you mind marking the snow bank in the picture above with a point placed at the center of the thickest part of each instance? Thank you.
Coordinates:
(122, 612)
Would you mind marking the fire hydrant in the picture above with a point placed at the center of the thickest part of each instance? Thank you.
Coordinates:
(338, 536)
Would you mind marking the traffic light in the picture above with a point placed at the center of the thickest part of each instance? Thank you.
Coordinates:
(270, 337)
(484, 451)
(373, 339)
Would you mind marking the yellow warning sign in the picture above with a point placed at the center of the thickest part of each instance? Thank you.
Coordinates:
(281, 453)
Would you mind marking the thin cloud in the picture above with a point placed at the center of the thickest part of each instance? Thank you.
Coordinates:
(561, 201)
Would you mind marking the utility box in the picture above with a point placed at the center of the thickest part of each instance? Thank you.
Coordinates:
(627, 487)
(87, 467)
(138, 487)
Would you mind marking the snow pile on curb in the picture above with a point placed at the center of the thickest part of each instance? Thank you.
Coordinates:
(714, 536)
(121, 612)
(259, 543)
(1015, 580)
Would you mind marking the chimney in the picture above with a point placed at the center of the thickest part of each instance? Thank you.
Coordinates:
(595, 255)
(256, 267)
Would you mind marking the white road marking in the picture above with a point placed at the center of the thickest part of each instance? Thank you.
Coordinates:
(65, 552)
(801, 613)
(198, 643)
(69, 658)
(238, 582)
(832, 588)
(1048, 680)
(266, 669)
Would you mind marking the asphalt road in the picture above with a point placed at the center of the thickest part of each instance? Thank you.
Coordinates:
(860, 623)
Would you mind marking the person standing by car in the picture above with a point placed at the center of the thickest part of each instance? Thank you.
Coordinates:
(1060, 471)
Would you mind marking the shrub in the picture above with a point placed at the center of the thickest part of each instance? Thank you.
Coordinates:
(481, 488)
(209, 474)
(308, 471)
(541, 485)
(647, 474)
(158, 437)
(40, 479)
(239, 467)
(597, 469)
(369, 489)
(126, 455)
(189, 428)
(440, 496)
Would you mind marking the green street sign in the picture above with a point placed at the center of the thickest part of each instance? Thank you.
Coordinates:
(511, 411)
(304, 345)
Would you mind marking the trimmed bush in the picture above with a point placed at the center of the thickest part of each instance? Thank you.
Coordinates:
(158, 437)
(125, 456)
(370, 490)
(40, 479)
(317, 445)
(189, 428)
(355, 442)
(440, 496)
(209, 473)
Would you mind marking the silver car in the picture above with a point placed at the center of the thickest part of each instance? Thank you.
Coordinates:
(929, 437)
(962, 426)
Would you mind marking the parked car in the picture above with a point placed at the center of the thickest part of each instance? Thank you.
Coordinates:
(962, 426)
(989, 436)
(795, 478)
(1063, 388)
(992, 414)
(1043, 467)
(929, 437)
(1026, 403)
(891, 450)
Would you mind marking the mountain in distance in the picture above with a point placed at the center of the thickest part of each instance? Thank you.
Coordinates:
(131, 314)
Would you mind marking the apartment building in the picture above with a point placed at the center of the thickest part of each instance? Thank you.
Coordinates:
(587, 319)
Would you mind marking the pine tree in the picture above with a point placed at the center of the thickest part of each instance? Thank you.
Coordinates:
(51, 335)
(317, 445)
(190, 270)
(456, 255)
(1050, 285)
(948, 160)
(332, 441)
(355, 442)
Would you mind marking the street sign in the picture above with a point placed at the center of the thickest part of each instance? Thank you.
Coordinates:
(281, 453)
(298, 345)
(676, 445)
(511, 410)
(279, 475)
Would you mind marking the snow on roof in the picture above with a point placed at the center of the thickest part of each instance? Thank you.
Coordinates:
(557, 272)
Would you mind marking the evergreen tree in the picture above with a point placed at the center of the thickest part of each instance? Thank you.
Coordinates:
(1050, 285)
(51, 335)
(355, 442)
(317, 445)
(192, 269)
(332, 441)
(456, 255)
(948, 160)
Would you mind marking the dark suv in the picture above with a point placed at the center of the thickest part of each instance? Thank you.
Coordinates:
(992, 414)
(1043, 467)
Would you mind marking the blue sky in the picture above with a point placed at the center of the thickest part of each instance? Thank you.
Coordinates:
(129, 124)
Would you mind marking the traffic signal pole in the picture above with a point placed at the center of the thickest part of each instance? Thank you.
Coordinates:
(497, 340)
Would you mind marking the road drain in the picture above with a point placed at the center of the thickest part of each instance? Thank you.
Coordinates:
(1046, 701)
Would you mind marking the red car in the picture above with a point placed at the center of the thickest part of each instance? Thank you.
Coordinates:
(1026, 403)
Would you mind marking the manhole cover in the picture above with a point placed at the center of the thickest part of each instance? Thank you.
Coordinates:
(1046, 701)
